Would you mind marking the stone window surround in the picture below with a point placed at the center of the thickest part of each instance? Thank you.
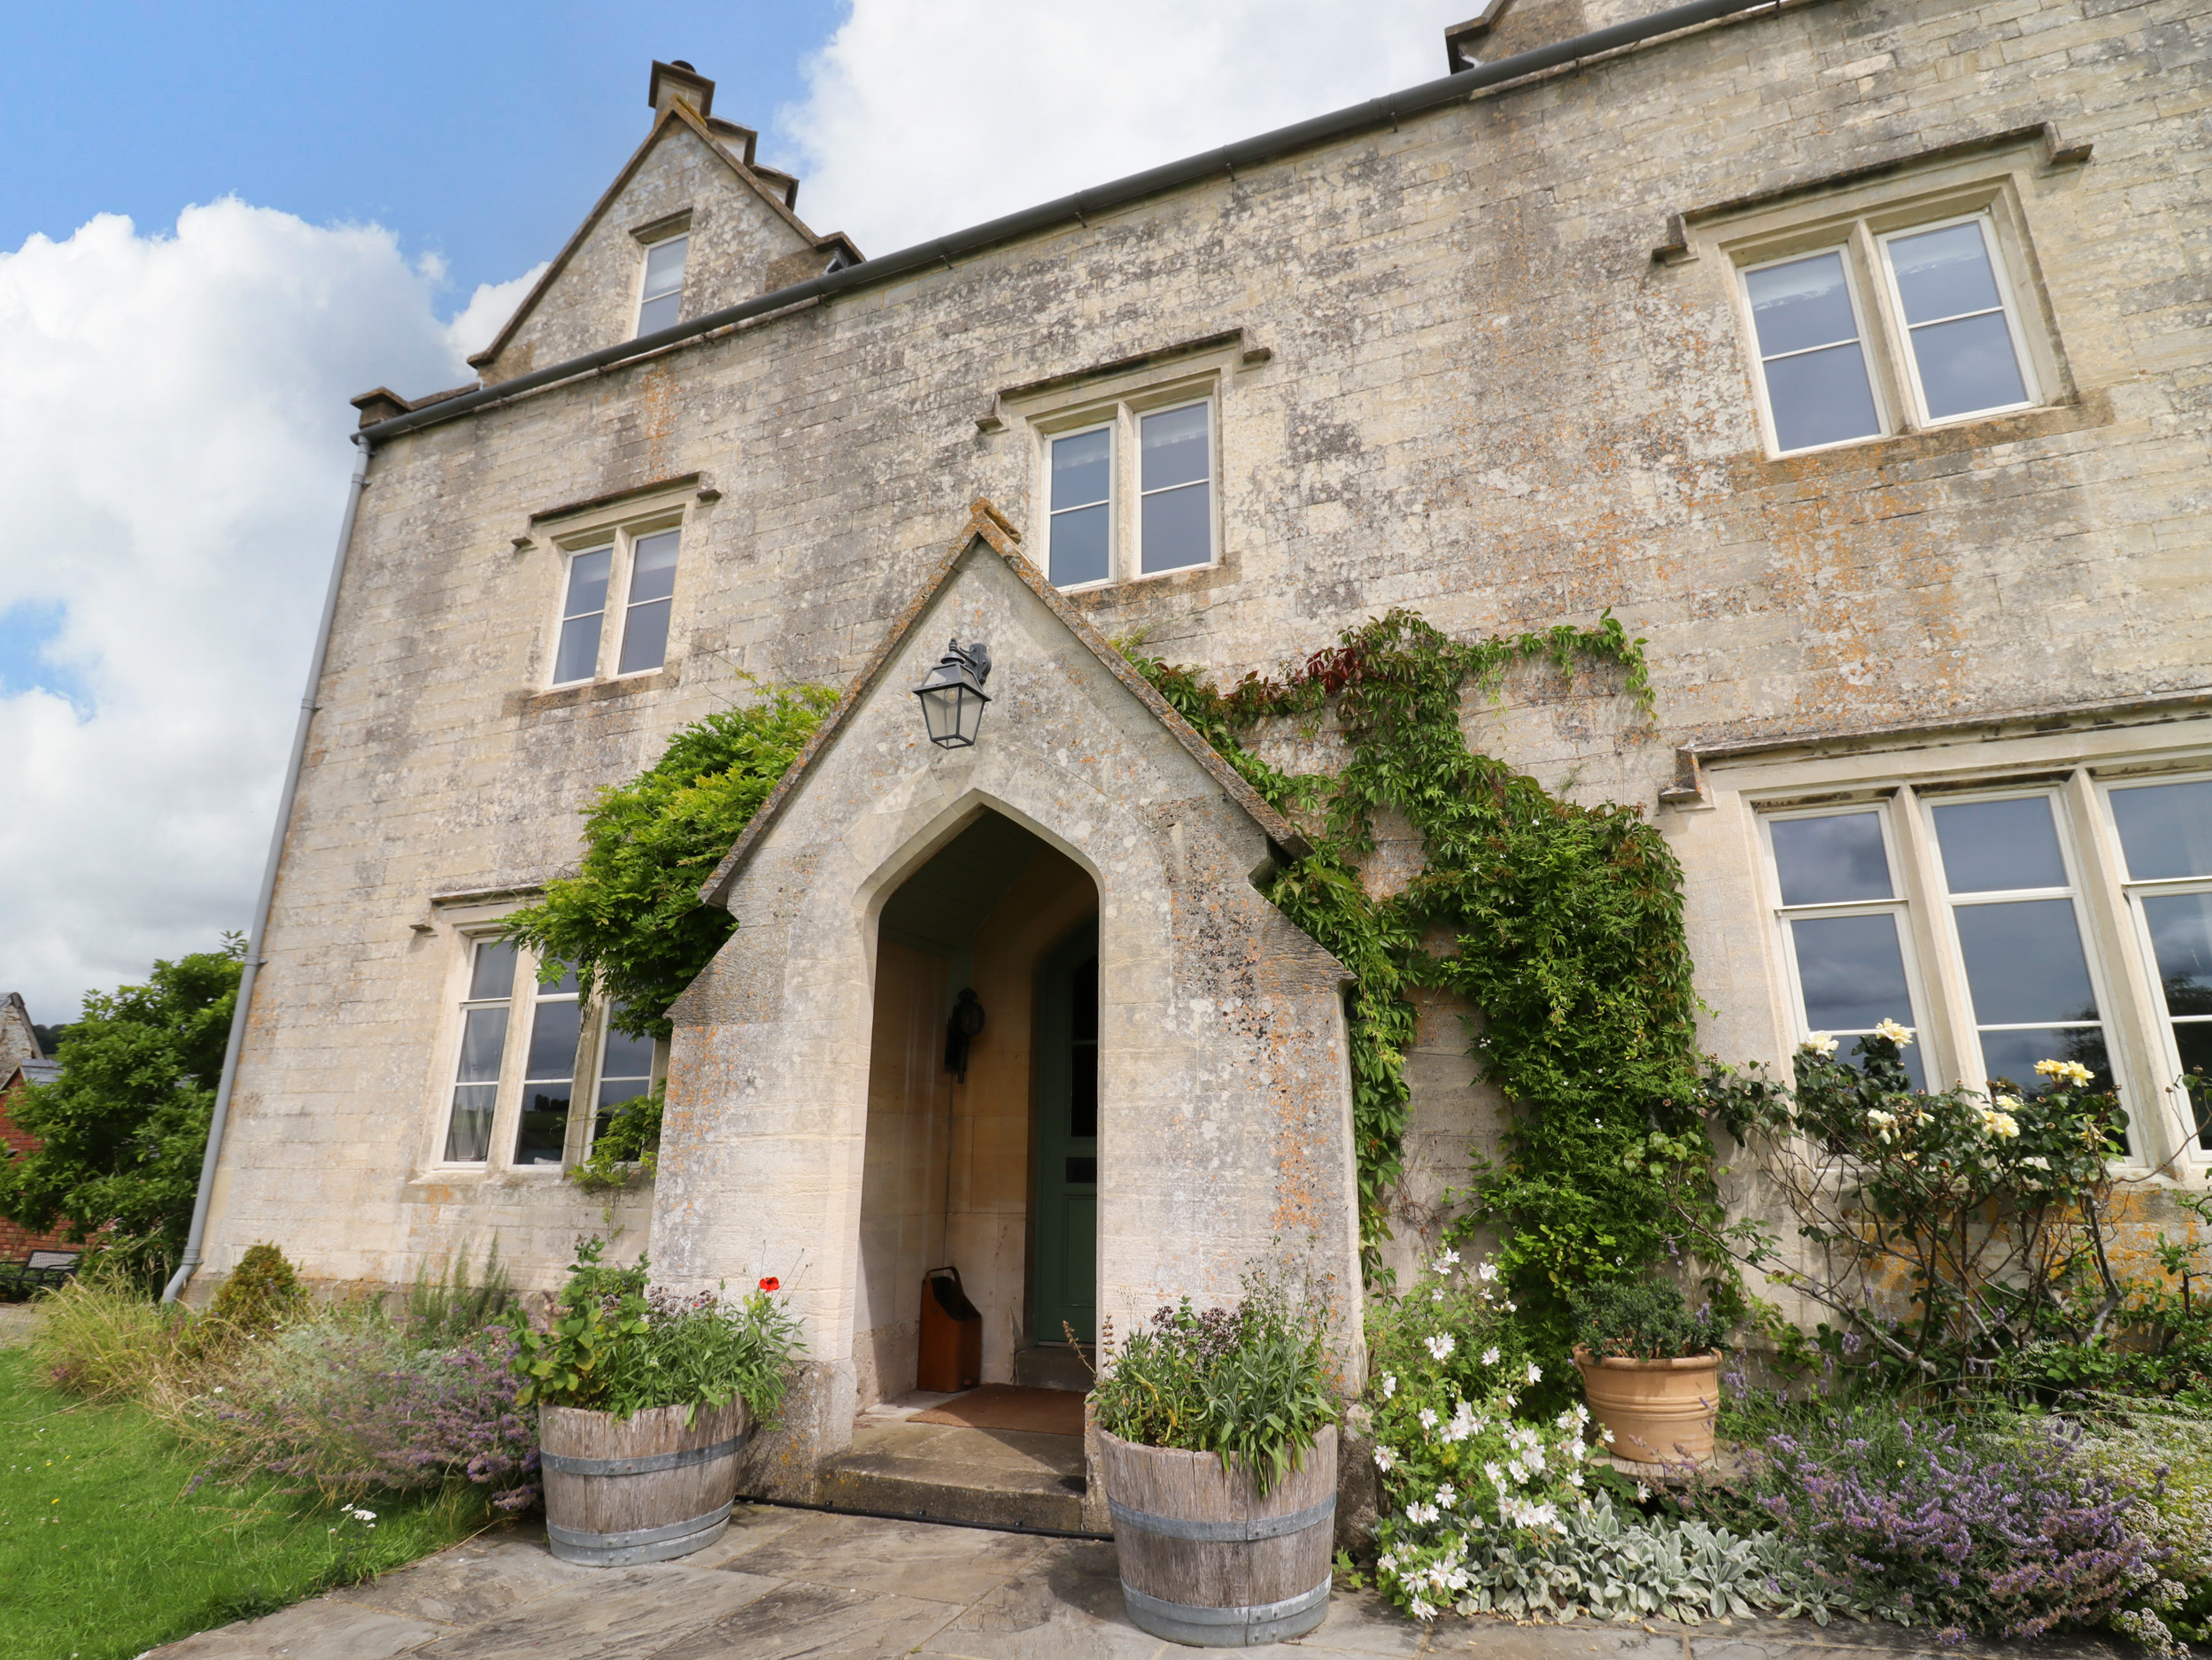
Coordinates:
(1119, 393)
(619, 521)
(463, 923)
(649, 236)
(1994, 180)
(1900, 777)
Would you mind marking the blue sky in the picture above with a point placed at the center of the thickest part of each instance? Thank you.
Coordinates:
(481, 132)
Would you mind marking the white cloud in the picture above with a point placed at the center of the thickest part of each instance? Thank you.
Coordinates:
(173, 457)
(485, 314)
(926, 116)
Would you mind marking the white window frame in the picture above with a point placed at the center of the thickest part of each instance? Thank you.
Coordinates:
(1898, 907)
(644, 258)
(2165, 1052)
(1123, 416)
(514, 1056)
(598, 1030)
(2008, 302)
(1965, 1038)
(623, 537)
(1869, 347)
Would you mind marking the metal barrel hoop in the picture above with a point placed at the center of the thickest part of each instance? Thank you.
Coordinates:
(639, 1544)
(643, 1464)
(1250, 1626)
(1259, 1527)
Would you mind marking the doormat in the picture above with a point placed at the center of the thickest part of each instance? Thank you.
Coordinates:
(997, 1406)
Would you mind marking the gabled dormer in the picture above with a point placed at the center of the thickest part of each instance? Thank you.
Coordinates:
(692, 224)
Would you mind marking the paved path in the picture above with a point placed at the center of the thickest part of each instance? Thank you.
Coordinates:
(791, 1583)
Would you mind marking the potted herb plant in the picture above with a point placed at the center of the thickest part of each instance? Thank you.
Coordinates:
(1218, 1444)
(644, 1400)
(1650, 1370)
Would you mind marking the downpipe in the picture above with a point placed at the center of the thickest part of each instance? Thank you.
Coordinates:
(251, 972)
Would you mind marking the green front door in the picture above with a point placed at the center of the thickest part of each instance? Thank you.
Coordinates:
(1066, 1287)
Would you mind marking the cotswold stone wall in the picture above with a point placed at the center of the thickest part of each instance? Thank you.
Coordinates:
(1484, 398)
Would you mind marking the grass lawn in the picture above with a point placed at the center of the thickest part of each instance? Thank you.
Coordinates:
(104, 1554)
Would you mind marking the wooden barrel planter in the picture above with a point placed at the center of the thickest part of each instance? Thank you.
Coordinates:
(1660, 1411)
(621, 1491)
(1205, 1560)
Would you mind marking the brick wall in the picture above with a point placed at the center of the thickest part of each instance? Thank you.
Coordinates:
(18, 1242)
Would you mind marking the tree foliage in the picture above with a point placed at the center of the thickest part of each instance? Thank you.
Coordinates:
(631, 921)
(122, 1131)
(1565, 929)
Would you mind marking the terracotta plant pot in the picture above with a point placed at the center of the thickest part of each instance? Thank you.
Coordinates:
(1660, 1411)
(1207, 1562)
(623, 1491)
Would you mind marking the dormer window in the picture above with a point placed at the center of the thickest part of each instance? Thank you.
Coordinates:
(661, 299)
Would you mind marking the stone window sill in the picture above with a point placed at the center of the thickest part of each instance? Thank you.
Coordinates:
(596, 692)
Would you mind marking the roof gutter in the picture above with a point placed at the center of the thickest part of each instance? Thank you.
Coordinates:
(251, 968)
(1384, 112)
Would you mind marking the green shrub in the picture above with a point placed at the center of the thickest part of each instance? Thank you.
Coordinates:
(1643, 1320)
(1248, 1383)
(260, 1295)
(616, 1345)
(447, 1309)
(630, 1144)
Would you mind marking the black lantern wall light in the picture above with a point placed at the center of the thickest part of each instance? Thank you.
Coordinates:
(952, 694)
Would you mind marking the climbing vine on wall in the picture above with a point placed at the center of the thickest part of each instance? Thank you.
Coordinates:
(1562, 923)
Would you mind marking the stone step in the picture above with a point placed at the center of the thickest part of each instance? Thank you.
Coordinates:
(943, 1473)
(1052, 1366)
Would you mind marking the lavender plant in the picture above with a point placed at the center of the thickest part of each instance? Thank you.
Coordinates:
(1924, 1522)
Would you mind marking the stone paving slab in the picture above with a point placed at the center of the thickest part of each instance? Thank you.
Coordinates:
(785, 1583)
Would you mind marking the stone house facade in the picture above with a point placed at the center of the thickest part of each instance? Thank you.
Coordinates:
(1857, 357)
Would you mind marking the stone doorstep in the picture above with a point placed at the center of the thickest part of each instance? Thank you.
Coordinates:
(944, 1473)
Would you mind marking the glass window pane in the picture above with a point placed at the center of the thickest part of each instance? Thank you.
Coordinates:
(1080, 468)
(563, 985)
(579, 658)
(1173, 448)
(1179, 528)
(2180, 926)
(2010, 1058)
(664, 266)
(552, 1041)
(1079, 546)
(587, 582)
(664, 311)
(1943, 272)
(1967, 365)
(542, 1131)
(1852, 972)
(625, 1056)
(482, 1041)
(1803, 303)
(652, 567)
(469, 1136)
(1997, 846)
(2165, 830)
(492, 975)
(1821, 398)
(1832, 861)
(2193, 1038)
(2024, 963)
(645, 637)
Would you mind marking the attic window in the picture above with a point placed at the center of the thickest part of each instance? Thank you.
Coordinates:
(661, 299)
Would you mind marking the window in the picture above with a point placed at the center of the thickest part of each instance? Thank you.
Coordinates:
(483, 1050)
(660, 296)
(2165, 835)
(1947, 340)
(1171, 482)
(640, 565)
(549, 1071)
(1841, 920)
(625, 1073)
(2018, 935)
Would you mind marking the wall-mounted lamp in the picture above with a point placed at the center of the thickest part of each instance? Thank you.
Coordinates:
(952, 697)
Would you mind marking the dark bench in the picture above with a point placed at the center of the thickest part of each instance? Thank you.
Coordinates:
(41, 1271)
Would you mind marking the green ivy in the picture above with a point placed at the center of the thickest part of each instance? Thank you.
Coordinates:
(1565, 929)
(630, 921)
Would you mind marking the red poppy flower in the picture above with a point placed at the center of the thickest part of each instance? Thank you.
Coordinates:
(771, 1284)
